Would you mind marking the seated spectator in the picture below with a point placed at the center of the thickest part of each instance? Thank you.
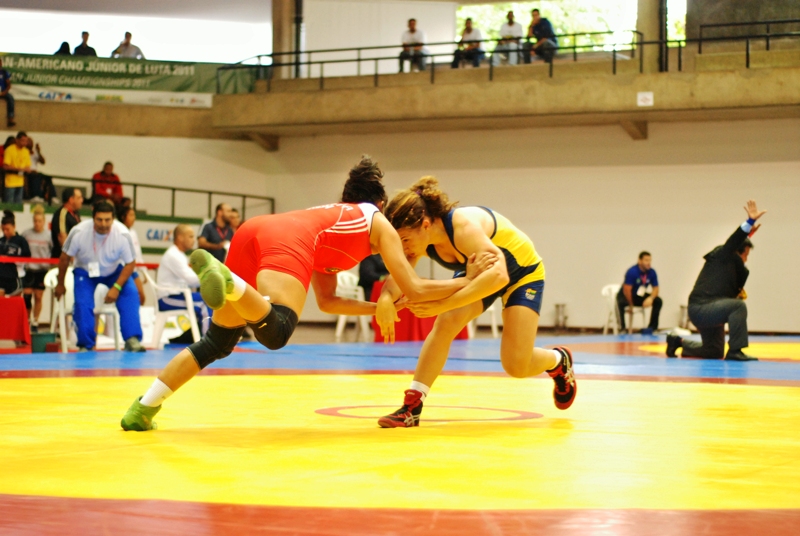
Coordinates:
(371, 270)
(5, 87)
(16, 162)
(84, 49)
(65, 218)
(545, 42)
(11, 245)
(103, 254)
(174, 271)
(106, 185)
(127, 216)
(216, 235)
(40, 186)
(127, 50)
(510, 33)
(414, 48)
(63, 50)
(40, 242)
(470, 48)
(9, 142)
(236, 220)
(640, 289)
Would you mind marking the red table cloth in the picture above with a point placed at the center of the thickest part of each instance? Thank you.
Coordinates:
(14, 320)
(410, 327)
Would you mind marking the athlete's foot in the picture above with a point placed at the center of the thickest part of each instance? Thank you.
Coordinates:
(408, 415)
(215, 278)
(564, 376)
(139, 418)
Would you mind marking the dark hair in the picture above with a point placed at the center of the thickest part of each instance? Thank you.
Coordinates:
(364, 184)
(468, 19)
(67, 194)
(84, 32)
(9, 142)
(108, 164)
(63, 50)
(535, 9)
(21, 134)
(8, 217)
(102, 206)
(219, 207)
(408, 207)
(122, 212)
(409, 20)
(644, 254)
(746, 244)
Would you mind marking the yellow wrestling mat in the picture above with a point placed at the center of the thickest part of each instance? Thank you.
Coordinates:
(260, 440)
(765, 350)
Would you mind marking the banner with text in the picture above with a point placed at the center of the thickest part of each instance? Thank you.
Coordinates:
(90, 79)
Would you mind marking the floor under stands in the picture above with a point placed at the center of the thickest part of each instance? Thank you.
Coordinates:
(287, 443)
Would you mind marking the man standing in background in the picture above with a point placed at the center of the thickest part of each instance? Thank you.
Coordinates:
(216, 235)
(5, 87)
(84, 49)
(640, 289)
(106, 185)
(126, 49)
(16, 162)
(65, 218)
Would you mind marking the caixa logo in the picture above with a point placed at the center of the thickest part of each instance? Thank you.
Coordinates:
(55, 96)
(159, 235)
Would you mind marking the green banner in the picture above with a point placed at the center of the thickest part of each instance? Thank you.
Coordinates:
(124, 74)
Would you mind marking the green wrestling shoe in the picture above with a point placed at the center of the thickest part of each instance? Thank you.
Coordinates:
(215, 278)
(139, 418)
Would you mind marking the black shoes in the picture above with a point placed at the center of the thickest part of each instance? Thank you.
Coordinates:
(673, 343)
(738, 355)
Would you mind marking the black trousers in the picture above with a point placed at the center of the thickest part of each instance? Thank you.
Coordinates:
(710, 319)
(622, 302)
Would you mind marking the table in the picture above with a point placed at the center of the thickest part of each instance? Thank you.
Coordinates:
(15, 320)
(410, 327)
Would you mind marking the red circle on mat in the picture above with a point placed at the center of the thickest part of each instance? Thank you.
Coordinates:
(517, 414)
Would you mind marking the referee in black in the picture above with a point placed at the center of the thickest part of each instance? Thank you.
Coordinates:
(718, 297)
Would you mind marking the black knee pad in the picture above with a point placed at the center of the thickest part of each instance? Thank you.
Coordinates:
(28, 301)
(217, 343)
(275, 329)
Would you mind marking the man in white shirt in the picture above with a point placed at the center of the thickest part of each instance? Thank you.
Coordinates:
(103, 253)
(126, 49)
(414, 48)
(174, 272)
(510, 33)
(470, 47)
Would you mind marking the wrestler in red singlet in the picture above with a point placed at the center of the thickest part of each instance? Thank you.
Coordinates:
(328, 239)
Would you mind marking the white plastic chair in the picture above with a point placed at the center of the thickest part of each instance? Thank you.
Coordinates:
(472, 326)
(162, 316)
(347, 287)
(110, 311)
(62, 306)
(610, 292)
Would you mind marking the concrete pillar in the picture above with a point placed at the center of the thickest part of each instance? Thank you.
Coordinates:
(282, 34)
(648, 23)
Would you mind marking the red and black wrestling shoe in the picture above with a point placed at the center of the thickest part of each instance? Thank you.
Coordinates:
(564, 376)
(408, 415)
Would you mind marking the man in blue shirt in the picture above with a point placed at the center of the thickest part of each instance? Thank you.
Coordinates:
(5, 87)
(640, 289)
(542, 40)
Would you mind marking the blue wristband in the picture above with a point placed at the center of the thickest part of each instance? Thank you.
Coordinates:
(751, 221)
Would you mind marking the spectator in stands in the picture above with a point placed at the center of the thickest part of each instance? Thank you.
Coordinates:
(9, 142)
(545, 42)
(174, 271)
(414, 48)
(103, 253)
(40, 242)
(63, 50)
(5, 88)
(16, 163)
(470, 48)
(65, 218)
(640, 289)
(510, 33)
(127, 216)
(217, 234)
(84, 49)
(40, 186)
(11, 245)
(127, 50)
(236, 219)
(106, 185)
(126, 202)
(371, 270)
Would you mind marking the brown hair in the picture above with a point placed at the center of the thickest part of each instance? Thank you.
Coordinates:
(410, 206)
(364, 184)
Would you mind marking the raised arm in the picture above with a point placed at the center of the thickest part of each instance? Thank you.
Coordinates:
(748, 228)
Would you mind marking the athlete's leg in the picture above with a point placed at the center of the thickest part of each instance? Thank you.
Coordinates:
(431, 361)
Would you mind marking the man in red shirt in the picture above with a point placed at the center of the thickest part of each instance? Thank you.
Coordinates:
(106, 185)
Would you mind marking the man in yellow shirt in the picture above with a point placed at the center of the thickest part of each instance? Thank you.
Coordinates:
(16, 162)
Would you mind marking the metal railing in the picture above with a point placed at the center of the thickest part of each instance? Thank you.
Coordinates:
(267, 63)
(748, 40)
(767, 23)
(173, 190)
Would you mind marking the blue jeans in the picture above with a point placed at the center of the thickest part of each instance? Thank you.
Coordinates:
(9, 105)
(127, 305)
(13, 195)
(201, 310)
